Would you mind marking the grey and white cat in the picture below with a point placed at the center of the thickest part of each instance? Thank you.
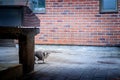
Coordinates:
(41, 55)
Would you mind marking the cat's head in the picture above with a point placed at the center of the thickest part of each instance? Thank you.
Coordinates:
(46, 54)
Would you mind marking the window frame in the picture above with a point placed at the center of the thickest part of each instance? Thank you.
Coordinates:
(108, 11)
(38, 11)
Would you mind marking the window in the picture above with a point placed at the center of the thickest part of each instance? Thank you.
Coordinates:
(38, 6)
(108, 6)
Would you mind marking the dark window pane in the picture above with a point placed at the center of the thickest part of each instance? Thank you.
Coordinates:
(39, 3)
(108, 5)
(38, 6)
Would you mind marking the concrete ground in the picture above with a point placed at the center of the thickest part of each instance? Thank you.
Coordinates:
(71, 62)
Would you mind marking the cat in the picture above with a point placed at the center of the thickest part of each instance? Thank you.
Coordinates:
(41, 55)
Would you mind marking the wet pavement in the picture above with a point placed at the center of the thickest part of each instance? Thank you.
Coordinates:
(71, 62)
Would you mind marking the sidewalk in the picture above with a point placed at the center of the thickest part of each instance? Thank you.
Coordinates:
(72, 62)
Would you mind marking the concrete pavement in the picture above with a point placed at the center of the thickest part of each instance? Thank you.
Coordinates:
(72, 62)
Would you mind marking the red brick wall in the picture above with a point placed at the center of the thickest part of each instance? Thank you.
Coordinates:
(78, 22)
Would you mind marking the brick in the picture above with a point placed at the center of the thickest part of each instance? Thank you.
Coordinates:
(65, 19)
(97, 15)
